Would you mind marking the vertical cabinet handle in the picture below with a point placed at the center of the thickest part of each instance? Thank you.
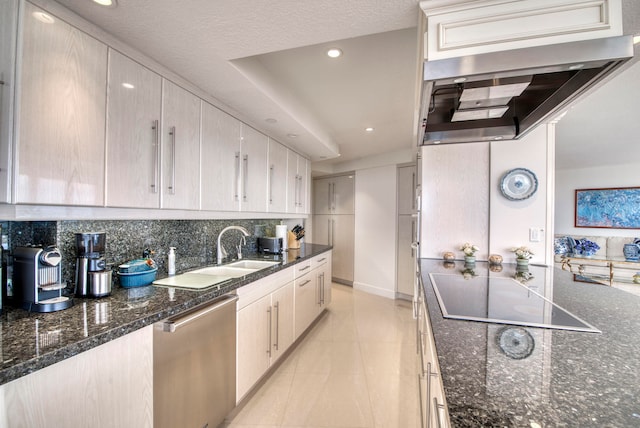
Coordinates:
(333, 230)
(270, 326)
(277, 308)
(329, 198)
(271, 184)
(436, 408)
(413, 234)
(237, 181)
(413, 188)
(172, 187)
(299, 190)
(245, 174)
(156, 155)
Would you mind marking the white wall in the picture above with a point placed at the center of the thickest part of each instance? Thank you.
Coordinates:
(375, 230)
(462, 201)
(568, 180)
(455, 199)
(510, 220)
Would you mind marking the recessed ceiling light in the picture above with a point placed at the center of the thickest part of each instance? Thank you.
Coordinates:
(271, 120)
(498, 138)
(369, 129)
(576, 66)
(128, 85)
(460, 80)
(107, 3)
(292, 135)
(636, 39)
(43, 17)
(334, 53)
(436, 142)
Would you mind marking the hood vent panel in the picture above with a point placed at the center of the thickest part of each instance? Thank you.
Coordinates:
(503, 95)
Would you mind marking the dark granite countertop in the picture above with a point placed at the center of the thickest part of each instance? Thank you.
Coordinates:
(32, 341)
(570, 379)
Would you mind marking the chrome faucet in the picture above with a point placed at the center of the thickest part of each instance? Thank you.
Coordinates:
(221, 252)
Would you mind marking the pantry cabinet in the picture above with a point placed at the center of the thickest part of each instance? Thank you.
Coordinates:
(134, 101)
(180, 148)
(334, 195)
(277, 202)
(61, 117)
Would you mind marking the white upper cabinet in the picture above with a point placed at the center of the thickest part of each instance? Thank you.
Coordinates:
(180, 148)
(61, 119)
(277, 177)
(253, 183)
(133, 134)
(8, 32)
(297, 184)
(220, 160)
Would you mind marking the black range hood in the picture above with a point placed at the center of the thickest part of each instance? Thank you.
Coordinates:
(503, 95)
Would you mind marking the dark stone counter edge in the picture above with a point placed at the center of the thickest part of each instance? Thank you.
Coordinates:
(200, 296)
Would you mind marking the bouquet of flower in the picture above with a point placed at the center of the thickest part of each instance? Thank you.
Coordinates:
(522, 253)
(584, 246)
(468, 249)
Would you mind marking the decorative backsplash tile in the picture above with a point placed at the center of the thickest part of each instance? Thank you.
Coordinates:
(195, 240)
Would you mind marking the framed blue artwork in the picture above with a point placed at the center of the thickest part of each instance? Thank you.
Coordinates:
(617, 208)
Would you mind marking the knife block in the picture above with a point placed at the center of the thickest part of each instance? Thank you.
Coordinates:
(293, 242)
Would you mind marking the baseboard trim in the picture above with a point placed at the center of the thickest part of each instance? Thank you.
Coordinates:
(389, 294)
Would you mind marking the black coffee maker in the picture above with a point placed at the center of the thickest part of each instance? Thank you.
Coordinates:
(92, 278)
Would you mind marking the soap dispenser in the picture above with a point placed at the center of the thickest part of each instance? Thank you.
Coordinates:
(172, 261)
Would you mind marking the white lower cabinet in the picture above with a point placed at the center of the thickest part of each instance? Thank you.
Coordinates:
(273, 312)
(110, 386)
(433, 406)
(265, 327)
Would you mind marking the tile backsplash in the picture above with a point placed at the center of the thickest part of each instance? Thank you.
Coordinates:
(195, 240)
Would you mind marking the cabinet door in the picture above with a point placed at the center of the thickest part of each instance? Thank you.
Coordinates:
(253, 346)
(220, 161)
(322, 227)
(342, 235)
(406, 255)
(133, 149)
(282, 320)
(60, 140)
(343, 191)
(322, 196)
(277, 177)
(8, 32)
(306, 307)
(180, 148)
(124, 383)
(298, 183)
(254, 170)
(304, 179)
(406, 189)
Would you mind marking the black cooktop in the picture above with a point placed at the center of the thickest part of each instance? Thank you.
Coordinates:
(500, 300)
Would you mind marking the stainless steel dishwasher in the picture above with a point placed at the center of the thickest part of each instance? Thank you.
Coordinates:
(194, 366)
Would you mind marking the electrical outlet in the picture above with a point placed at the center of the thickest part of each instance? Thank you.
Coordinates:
(535, 234)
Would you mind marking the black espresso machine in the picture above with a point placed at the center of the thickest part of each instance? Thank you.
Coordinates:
(37, 279)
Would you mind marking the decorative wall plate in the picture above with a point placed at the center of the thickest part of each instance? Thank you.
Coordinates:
(518, 184)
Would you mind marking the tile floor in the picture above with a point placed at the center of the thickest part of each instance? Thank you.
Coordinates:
(357, 367)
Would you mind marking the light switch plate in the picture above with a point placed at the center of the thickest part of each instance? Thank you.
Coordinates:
(535, 234)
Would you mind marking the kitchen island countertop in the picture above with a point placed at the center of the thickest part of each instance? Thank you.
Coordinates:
(569, 379)
(32, 341)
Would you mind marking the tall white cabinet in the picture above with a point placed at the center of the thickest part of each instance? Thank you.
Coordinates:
(407, 230)
(334, 222)
(61, 117)
(133, 134)
(299, 172)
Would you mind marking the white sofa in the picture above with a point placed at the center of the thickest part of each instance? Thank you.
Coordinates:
(610, 246)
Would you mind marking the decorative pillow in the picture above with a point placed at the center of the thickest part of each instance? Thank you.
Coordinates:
(572, 244)
(636, 241)
(561, 245)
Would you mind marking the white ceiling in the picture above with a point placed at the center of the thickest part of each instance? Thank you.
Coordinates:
(266, 60)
